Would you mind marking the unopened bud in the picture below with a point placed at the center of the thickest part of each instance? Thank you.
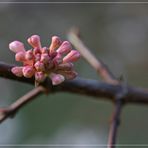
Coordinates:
(36, 50)
(40, 76)
(64, 48)
(29, 55)
(45, 58)
(37, 57)
(16, 46)
(69, 75)
(39, 66)
(28, 71)
(34, 41)
(65, 66)
(44, 50)
(72, 56)
(20, 56)
(55, 43)
(17, 71)
(57, 60)
(56, 78)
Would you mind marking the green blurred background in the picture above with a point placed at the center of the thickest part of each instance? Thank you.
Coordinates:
(116, 33)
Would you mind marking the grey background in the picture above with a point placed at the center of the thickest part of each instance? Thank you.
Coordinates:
(115, 33)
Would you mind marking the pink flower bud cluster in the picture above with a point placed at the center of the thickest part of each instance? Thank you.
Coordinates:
(55, 61)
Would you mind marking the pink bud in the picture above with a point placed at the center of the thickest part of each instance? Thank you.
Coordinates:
(39, 66)
(20, 56)
(16, 46)
(56, 78)
(29, 55)
(64, 48)
(55, 43)
(44, 50)
(53, 54)
(17, 71)
(69, 75)
(37, 57)
(36, 50)
(45, 58)
(65, 66)
(34, 41)
(40, 76)
(57, 60)
(28, 71)
(72, 56)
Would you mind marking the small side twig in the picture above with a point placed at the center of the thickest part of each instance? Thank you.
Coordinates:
(14, 107)
(114, 124)
(116, 116)
(98, 65)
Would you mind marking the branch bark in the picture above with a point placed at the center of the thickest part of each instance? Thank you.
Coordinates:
(98, 90)
(11, 110)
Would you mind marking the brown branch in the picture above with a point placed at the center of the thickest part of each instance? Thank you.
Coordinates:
(114, 125)
(99, 90)
(98, 65)
(11, 110)
(116, 117)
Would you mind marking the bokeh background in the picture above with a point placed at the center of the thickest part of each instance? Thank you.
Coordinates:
(115, 33)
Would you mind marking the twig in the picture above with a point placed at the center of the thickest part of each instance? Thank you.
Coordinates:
(98, 65)
(14, 107)
(114, 124)
(116, 116)
(87, 87)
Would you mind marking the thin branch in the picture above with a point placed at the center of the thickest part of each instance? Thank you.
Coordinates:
(14, 107)
(99, 90)
(98, 65)
(115, 124)
(116, 116)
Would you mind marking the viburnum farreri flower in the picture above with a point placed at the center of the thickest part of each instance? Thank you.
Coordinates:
(55, 61)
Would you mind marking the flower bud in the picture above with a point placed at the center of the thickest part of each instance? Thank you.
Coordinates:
(29, 55)
(64, 48)
(36, 51)
(20, 56)
(16, 46)
(39, 66)
(69, 75)
(44, 50)
(45, 58)
(37, 57)
(56, 78)
(53, 54)
(40, 76)
(65, 66)
(34, 41)
(28, 71)
(17, 71)
(72, 56)
(55, 43)
(57, 60)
